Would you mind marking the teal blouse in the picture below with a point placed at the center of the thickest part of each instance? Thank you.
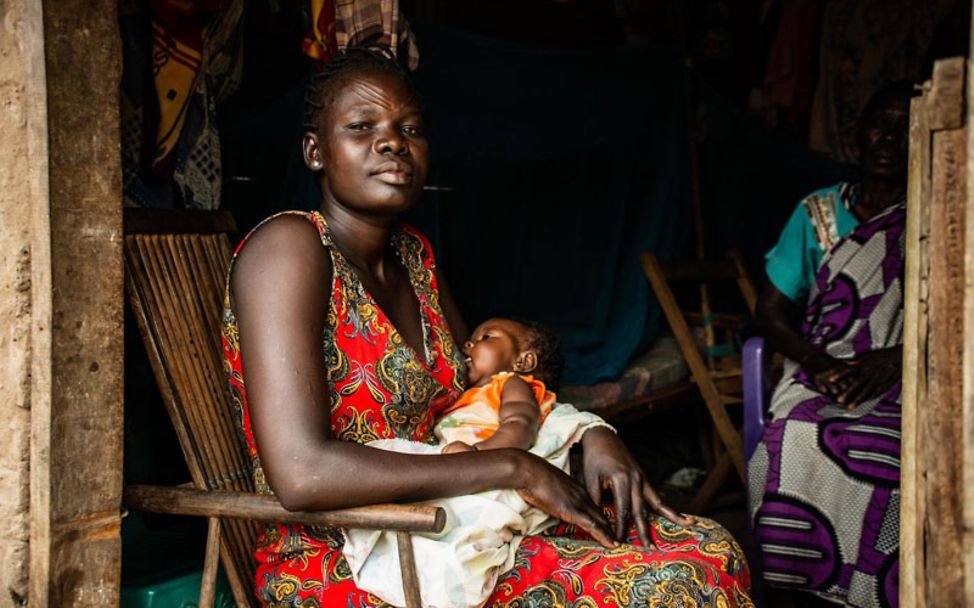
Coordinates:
(819, 221)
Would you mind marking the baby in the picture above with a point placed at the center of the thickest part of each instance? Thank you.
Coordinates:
(509, 362)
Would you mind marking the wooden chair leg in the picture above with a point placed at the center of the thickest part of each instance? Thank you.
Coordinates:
(210, 564)
(715, 479)
(407, 562)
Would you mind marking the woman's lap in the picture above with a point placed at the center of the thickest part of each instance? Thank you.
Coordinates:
(826, 481)
(701, 566)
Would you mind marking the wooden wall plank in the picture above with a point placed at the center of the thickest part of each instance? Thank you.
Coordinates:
(914, 351)
(942, 446)
(967, 416)
(76, 417)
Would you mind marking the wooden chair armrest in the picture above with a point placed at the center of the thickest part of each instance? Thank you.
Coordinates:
(181, 500)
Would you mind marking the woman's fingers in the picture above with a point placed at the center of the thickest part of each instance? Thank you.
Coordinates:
(852, 394)
(591, 519)
(657, 505)
(594, 487)
(621, 493)
(642, 521)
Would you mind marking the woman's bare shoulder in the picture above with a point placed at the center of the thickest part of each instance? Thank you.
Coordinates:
(284, 248)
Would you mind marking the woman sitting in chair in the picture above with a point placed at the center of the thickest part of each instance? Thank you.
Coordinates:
(339, 330)
(824, 481)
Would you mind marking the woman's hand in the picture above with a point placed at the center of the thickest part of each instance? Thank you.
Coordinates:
(558, 495)
(828, 374)
(609, 465)
(870, 375)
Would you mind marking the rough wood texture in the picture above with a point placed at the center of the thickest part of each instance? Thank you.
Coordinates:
(947, 95)
(912, 470)
(942, 448)
(24, 266)
(175, 287)
(933, 524)
(191, 501)
(211, 563)
(967, 417)
(76, 418)
(407, 563)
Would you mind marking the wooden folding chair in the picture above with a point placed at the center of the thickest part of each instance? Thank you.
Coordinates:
(176, 262)
(715, 368)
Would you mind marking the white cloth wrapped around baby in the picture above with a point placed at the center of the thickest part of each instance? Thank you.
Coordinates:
(459, 566)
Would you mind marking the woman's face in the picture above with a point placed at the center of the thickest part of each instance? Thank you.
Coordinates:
(884, 136)
(371, 144)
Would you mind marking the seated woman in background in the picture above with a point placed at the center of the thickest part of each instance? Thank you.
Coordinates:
(824, 481)
(339, 330)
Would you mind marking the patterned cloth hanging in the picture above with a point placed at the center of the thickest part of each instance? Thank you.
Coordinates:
(181, 58)
(339, 24)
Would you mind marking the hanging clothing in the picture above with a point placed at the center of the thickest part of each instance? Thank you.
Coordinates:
(817, 224)
(381, 389)
(790, 76)
(340, 24)
(180, 62)
(824, 481)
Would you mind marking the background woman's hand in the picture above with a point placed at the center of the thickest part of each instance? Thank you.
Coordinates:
(609, 465)
(558, 495)
(873, 374)
(829, 375)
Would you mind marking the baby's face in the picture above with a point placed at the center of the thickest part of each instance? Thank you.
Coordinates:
(493, 348)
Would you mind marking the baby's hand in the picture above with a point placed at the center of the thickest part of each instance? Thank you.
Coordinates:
(456, 447)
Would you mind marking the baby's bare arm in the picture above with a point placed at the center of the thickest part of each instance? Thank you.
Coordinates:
(520, 416)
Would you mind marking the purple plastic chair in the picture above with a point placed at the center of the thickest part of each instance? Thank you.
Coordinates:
(754, 370)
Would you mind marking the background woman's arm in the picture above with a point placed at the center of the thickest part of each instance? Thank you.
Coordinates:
(778, 319)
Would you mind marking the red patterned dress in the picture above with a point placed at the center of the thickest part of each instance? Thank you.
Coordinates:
(383, 389)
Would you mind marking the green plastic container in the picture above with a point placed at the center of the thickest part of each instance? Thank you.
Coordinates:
(176, 592)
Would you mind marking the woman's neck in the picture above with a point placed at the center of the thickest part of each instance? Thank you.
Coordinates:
(876, 195)
(363, 240)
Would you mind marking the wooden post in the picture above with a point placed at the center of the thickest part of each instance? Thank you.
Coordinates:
(967, 415)
(76, 313)
(407, 562)
(936, 332)
(211, 563)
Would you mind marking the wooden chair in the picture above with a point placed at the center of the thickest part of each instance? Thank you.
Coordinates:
(715, 370)
(176, 262)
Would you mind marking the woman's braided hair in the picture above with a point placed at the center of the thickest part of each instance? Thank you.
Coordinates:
(322, 86)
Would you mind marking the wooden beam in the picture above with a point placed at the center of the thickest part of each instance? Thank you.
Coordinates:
(76, 409)
(967, 406)
(942, 446)
(946, 104)
(178, 221)
(407, 562)
(912, 469)
(180, 500)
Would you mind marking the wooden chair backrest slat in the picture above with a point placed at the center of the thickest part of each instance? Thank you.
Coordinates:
(175, 284)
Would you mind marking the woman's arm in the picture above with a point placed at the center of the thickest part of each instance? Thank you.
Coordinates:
(777, 319)
(277, 290)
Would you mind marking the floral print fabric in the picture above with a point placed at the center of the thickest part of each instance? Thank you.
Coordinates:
(380, 388)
